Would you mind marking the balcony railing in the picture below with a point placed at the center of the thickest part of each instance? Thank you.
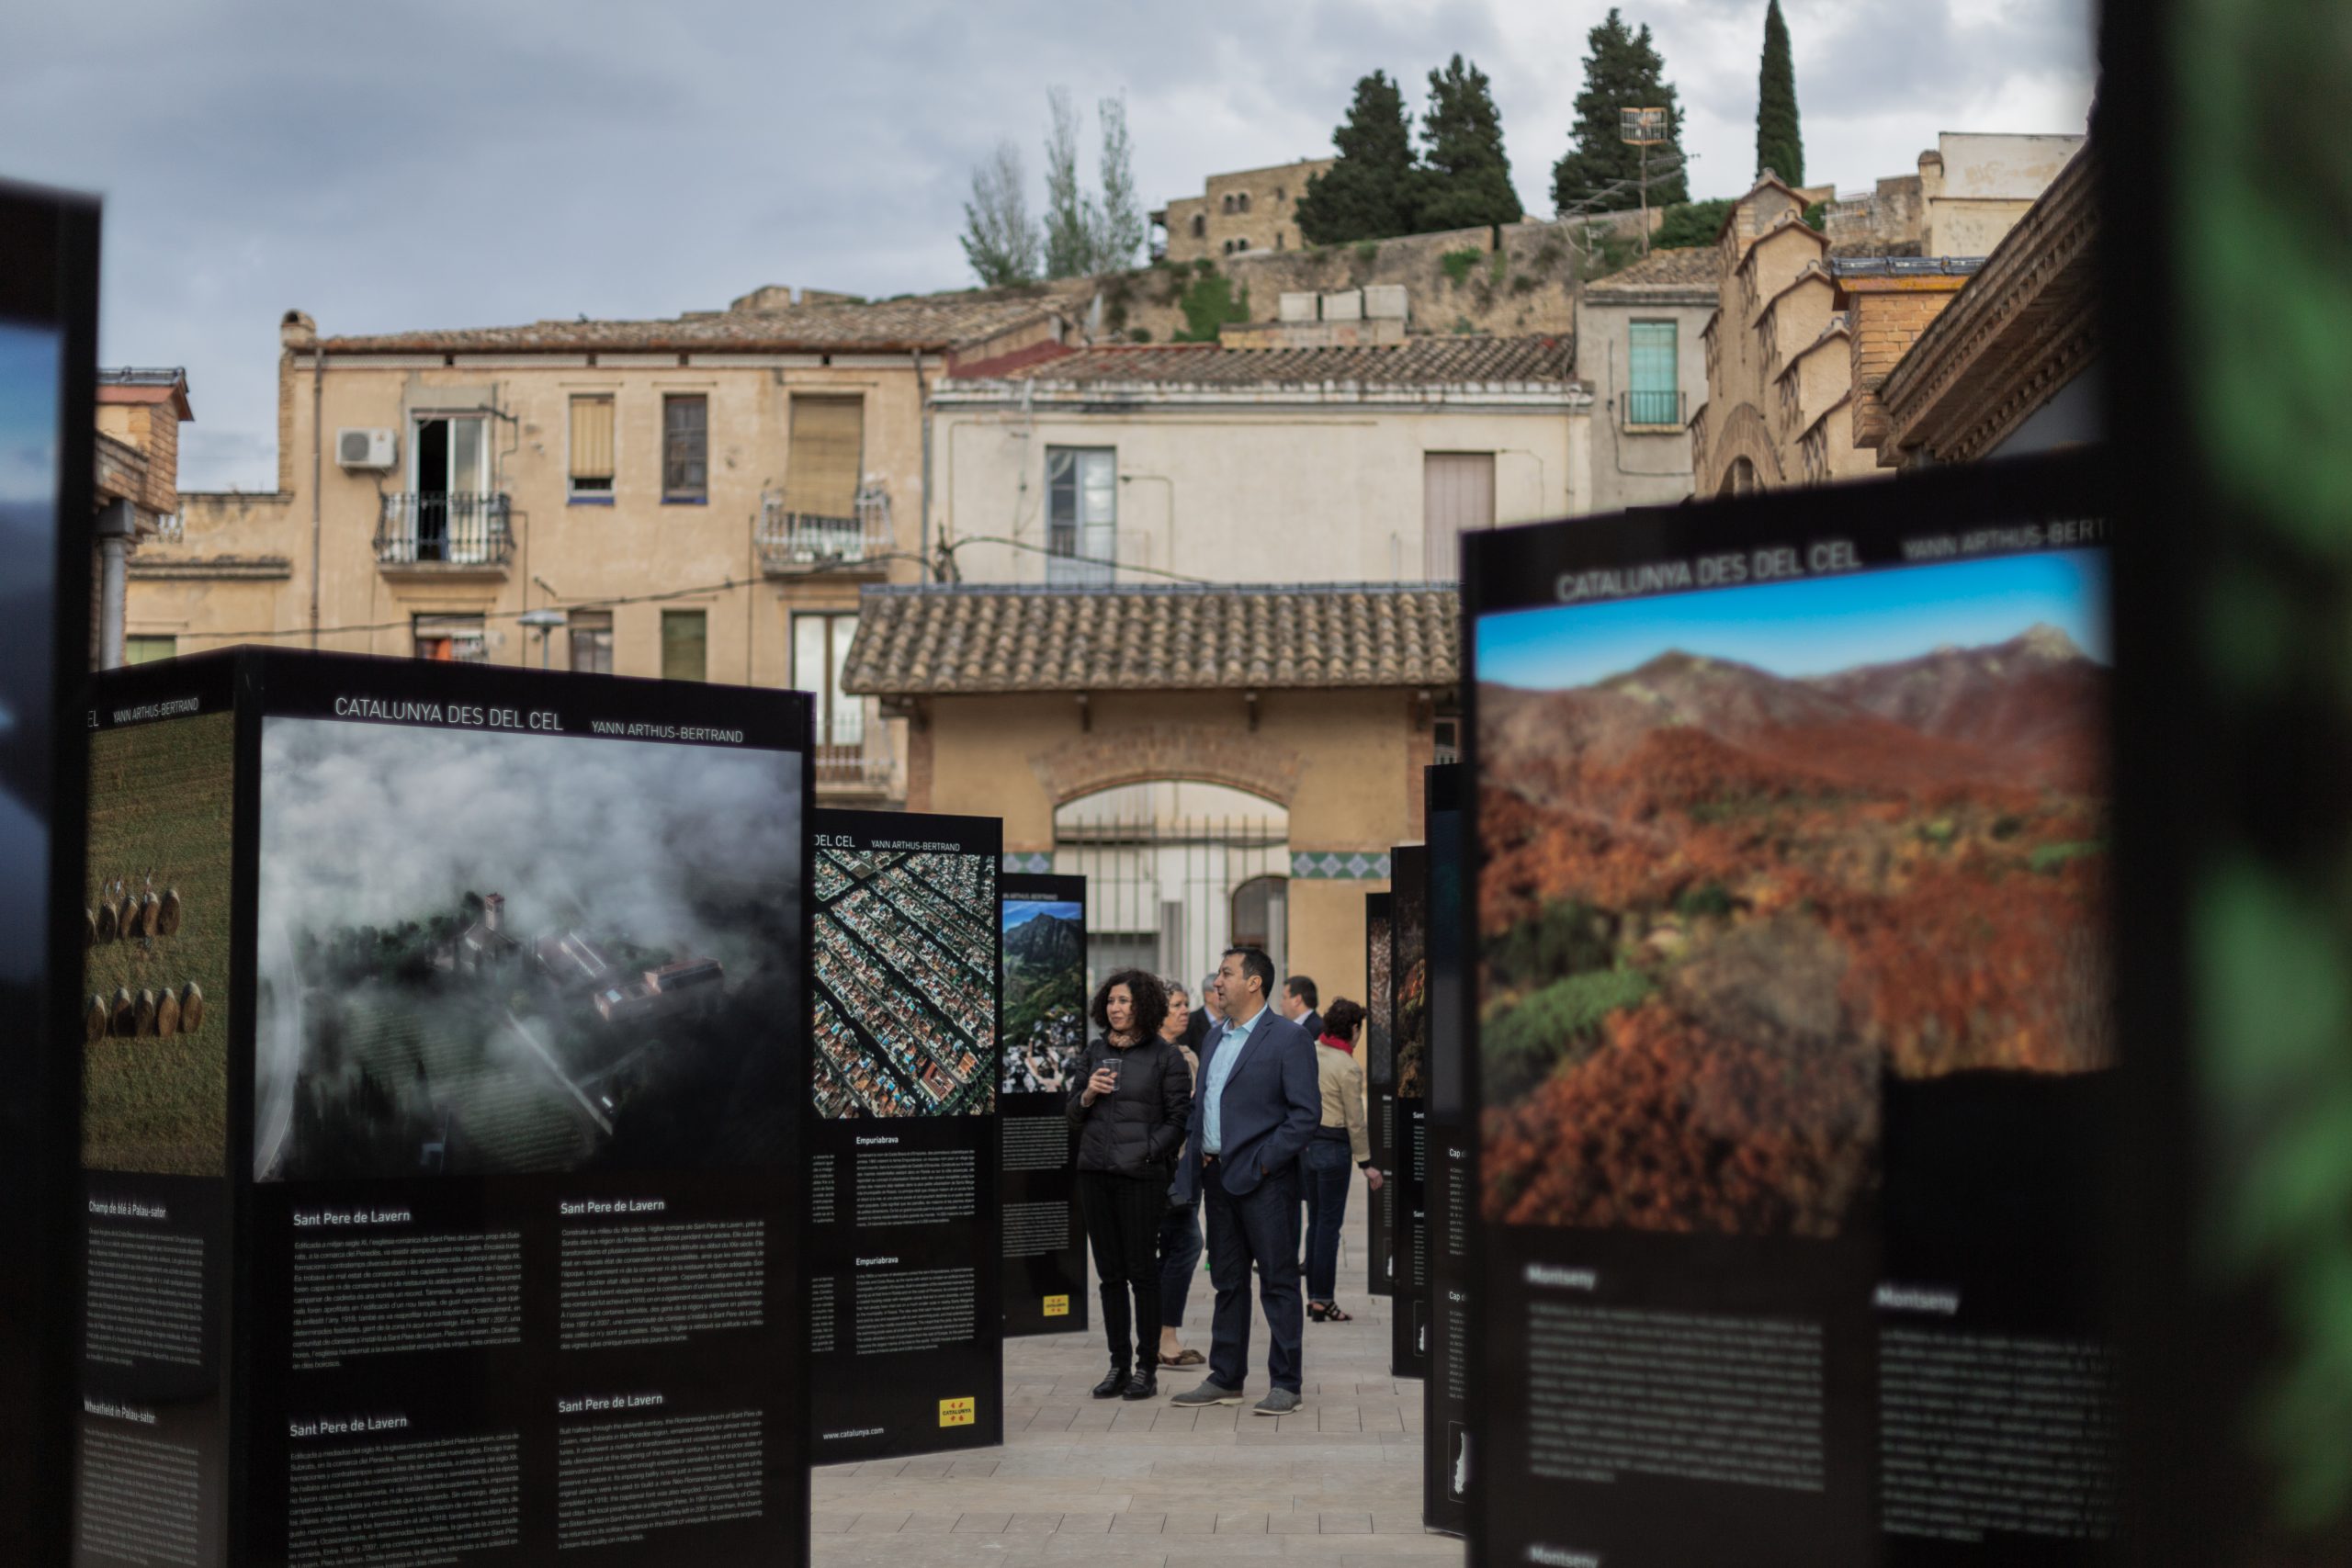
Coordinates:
(791, 542)
(1656, 410)
(438, 528)
(857, 758)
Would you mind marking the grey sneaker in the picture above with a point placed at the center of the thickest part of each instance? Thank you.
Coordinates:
(1209, 1392)
(1281, 1402)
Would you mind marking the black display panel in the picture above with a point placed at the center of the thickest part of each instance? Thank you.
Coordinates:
(1448, 1134)
(905, 1211)
(1406, 1170)
(444, 1133)
(1044, 1003)
(1379, 1086)
(1790, 837)
(48, 309)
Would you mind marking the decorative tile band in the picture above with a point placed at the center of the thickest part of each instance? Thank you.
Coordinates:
(1341, 865)
(1029, 864)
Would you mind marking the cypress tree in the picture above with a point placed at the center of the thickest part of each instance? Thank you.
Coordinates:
(1369, 193)
(1780, 145)
(1623, 70)
(1467, 174)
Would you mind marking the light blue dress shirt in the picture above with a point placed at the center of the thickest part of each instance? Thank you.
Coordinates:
(1220, 1070)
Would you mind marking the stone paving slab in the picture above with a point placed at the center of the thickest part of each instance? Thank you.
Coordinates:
(1147, 1485)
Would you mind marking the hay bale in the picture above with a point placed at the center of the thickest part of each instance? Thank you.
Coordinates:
(108, 926)
(150, 908)
(122, 1017)
(90, 920)
(191, 1008)
(94, 1021)
(167, 915)
(167, 1014)
(126, 916)
(146, 1020)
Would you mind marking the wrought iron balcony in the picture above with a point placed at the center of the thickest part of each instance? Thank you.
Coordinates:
(857, 758)
(794, 542)
(1655, 410)
(438, 530)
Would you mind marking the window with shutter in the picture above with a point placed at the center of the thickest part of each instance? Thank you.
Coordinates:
(1457, 495)
(685, 448)
(828, 455)
(592, 447)
(685, 645)
(591, 640)
(1081, 515)
(1652, 395)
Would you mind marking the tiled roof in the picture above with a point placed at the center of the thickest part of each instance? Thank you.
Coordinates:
(915, 641)
(1436, 360)
(1685, 267)
(935, 321)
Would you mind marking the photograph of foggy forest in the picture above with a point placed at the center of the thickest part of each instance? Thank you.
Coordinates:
(492, 954)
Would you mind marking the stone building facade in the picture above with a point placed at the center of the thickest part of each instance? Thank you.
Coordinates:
(1641, 352)
(701, 497)
(1255, 209)
(138, 459)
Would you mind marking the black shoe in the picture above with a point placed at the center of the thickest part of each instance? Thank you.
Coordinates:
(1113, 1386)
(1142, 1385)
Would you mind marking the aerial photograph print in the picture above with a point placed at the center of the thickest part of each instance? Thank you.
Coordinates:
(1743, 851)
(496, 953)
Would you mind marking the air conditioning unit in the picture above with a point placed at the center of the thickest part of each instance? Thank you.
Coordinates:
(363, 448)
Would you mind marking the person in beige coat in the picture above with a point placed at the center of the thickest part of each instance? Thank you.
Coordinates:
(1323, 1167)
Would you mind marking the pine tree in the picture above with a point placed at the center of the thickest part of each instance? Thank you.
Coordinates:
(1369, 194)
(1624, 70)
(1467, 174)
(1780, 145)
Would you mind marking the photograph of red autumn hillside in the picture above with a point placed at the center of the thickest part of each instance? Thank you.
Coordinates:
(1719, 903)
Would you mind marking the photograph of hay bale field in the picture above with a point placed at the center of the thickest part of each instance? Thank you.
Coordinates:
(1744, 853)
(155, 1059)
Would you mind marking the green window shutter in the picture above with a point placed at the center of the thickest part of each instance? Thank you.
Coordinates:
(1652, 396)
(685, 645)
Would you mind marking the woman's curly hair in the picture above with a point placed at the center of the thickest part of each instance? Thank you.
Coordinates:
(1150, 1001)
(1342, 1019)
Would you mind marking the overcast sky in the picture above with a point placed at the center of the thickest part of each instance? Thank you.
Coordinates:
(427, 163)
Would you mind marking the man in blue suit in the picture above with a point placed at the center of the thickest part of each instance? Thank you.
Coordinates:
(1256, 1104)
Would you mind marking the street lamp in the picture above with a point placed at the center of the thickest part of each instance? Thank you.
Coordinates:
(544, 621)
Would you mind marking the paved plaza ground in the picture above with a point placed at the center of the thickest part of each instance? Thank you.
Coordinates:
(1080, 1480)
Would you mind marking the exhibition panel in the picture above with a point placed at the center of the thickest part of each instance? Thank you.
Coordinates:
(1045, 1002)
(1379, 1084)
(444, 1133)
(1409, 971)
(49, 310)
(1790, 839)
(1444, 1199)
(905, 1211)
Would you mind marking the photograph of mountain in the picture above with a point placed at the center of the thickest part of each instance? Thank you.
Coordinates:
(1745, 851)
(489, 953)
(156, 1035)
(1045, 993)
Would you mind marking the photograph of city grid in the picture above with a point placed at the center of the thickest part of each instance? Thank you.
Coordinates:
(156, 1035)
(1743, 851)
(1045, 993)
(495, 953)
(906, 1004)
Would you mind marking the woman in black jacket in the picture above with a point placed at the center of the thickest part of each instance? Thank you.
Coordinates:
(1133, 1099)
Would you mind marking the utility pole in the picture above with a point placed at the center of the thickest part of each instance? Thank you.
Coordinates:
(1643, 128)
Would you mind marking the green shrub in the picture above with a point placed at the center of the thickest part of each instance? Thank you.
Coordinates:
(1206, 267)
(1565, 938)
(1457, 264)
(2047, 858)
(1523, 1045)
(1691, 223)
(1367, 250)
(1707, 899)
(1208, 305)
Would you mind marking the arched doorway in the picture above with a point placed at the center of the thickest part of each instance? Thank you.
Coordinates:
(1176, 872)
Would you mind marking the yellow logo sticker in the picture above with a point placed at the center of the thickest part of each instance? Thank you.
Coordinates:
(1057, 1306)
(958, 1412)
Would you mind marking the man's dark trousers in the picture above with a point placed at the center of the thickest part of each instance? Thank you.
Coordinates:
(1261, 1227)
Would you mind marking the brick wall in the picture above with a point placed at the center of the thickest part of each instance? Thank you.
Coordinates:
(1888, 315)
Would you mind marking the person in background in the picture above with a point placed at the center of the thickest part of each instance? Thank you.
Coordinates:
(1180, 1227)
(1207, 1016)
(1323, 1167)
(1299, 998)
(1131, 1102)
(1257, 1106)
